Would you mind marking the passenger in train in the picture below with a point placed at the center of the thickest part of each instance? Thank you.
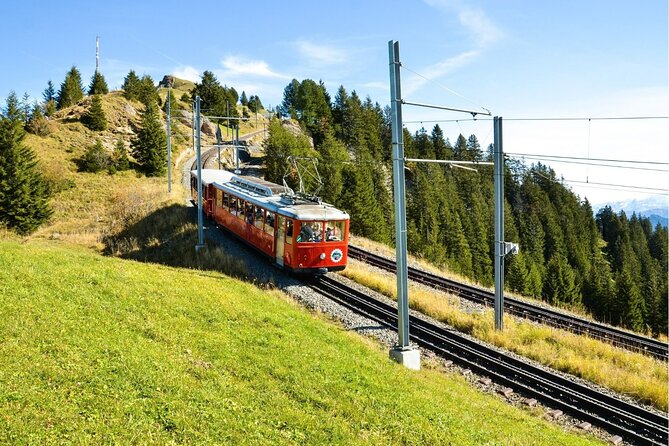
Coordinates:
(306, 234)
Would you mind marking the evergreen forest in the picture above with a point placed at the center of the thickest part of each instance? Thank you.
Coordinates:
(609, 264)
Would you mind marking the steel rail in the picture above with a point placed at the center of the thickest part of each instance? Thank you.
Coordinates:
(612, 335)
(632, 422)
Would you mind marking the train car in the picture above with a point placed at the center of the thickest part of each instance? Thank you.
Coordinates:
(297, 233)
(209, 177)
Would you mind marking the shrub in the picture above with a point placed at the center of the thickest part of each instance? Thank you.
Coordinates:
(95, 159)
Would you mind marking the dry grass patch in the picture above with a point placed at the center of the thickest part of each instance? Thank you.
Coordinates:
(633, 374)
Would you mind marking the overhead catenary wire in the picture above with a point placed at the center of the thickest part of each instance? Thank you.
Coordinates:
(558, 118)
(585, 183)
(608, 160)
(440, 85)
(523, 158)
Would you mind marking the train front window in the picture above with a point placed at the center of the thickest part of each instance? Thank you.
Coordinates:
(311, 232)
(334, 231)
(219, 198)
(225, 201)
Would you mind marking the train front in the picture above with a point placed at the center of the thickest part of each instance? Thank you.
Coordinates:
(321, 240)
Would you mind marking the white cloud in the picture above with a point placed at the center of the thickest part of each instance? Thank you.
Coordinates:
(238, 66)
(187, 72)
(474, 20)
(440, 69)
(321, 54)
(478, 24)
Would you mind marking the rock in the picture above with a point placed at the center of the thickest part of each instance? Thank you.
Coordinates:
(167, 81)
(130, 110)
(208, 128)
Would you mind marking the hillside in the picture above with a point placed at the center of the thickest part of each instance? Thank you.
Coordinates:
(101, 350)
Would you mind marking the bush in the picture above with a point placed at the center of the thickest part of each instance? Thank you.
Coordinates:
(95, 159)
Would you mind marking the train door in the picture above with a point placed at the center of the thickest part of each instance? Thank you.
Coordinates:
(280, 238)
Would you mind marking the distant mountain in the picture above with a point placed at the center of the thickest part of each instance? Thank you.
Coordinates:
(654, 207)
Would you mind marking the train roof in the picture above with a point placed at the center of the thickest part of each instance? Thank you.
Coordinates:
(213, 175)
(271, 196)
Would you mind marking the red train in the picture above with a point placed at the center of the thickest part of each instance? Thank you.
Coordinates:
(296, 233)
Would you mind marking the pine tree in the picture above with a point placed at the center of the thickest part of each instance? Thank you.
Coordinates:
(149, 146)
(49, 93)
(119, 157)
(559, 285)
(25, 108)
(243, 100)
(24, 193)
(146, 91)
(131, 86)
(71, 90)
(98, 84)
(95, 118)
(254, 103)
(630, 300)
(333, 155)
(288, 106)
(517, 275)
(49, 96)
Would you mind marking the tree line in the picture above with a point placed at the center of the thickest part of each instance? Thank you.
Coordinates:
(613, 266)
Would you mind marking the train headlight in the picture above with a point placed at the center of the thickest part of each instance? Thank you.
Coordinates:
(322, 256)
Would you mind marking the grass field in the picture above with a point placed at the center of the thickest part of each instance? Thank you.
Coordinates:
(98, 350)
(634, 374)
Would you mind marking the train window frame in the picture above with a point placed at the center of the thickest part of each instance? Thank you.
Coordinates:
(311, 231)
(225, 201)
(219, 198)
(269, 228)
(241, 206)
(289, 231)
(335, 230)
(232, 208)
(258, 223)
(248, 213)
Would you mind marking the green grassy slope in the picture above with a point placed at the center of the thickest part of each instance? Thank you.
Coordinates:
(98, 350)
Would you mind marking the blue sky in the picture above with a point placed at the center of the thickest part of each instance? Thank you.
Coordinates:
(518, 58)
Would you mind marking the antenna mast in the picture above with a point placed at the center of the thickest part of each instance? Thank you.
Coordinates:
(97, 53)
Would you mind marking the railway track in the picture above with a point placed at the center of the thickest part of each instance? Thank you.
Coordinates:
(631, 422)
(617, 337)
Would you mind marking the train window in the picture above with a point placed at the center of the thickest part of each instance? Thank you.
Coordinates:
(225, 200)
(219, 198)
(248, 213)
(233, 205)
(240, 208)
(311, 231)
(269, 224)
(289, 232)
(259, 217)
(334, 231)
